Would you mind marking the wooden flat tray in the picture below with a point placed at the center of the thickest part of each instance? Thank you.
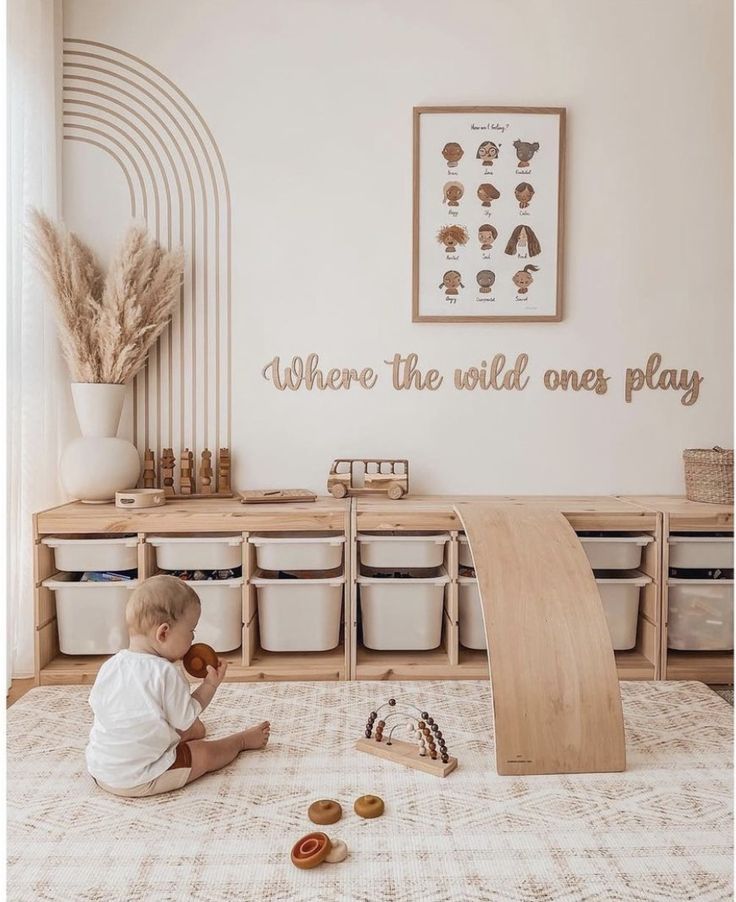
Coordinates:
(276, 496)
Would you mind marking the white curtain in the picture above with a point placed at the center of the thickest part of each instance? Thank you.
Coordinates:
(38, 409)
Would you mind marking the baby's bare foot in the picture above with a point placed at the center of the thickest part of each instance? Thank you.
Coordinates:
(256, 737)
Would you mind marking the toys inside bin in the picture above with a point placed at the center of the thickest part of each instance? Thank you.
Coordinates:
(692, 573)
(206, 575)
(108, 576)
(466, 571)
(301, 574)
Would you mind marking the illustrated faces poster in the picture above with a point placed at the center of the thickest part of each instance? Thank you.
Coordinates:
(487, 213)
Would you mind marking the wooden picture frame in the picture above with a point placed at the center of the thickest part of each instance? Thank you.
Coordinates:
(496, 216)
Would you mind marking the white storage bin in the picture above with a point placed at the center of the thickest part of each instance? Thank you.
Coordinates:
(700, 614)
(298, 551)
(299, 614)
(198, 552)
(402, 614)
(701, 552)
(90, 615)
(612, 552)
(221, 621)
(464, 557)
(394, 550)
(620, 599)
(78, 555)
(472, 631)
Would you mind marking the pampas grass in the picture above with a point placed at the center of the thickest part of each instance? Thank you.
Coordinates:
(107, 323)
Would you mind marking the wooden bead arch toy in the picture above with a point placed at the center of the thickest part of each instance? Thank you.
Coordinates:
(428, 752)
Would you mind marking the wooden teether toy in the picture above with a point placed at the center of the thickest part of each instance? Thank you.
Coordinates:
(198, 657)
(338, 852)
(311, 850)
(369, 806)
(324, 811)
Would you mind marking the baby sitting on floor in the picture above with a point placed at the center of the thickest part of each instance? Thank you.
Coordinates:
(147, 737)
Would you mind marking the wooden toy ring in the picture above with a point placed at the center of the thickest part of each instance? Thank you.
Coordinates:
(369, 806)
(311, 850)
(324, 811)
(338, 852)
(198, 657)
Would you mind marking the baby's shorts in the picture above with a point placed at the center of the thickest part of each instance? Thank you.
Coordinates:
(173, 778)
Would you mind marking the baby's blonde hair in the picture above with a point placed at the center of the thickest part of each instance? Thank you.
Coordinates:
(160, 599)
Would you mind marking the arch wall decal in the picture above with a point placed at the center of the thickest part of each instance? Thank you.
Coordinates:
(176, 179)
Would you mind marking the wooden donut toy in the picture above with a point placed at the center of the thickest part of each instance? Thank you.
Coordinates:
(310, 850)
(429, 750)
(369, 806)
(198, 657)
(324, 811)
(338, 852)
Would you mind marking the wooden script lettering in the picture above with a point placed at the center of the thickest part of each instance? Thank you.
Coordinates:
(308, 375)
(406, 374)
(492, 375)
(588, 380)
(492, 378)
(649, 377)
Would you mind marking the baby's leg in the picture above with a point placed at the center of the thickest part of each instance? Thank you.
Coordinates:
(196, 731)
(212, 754)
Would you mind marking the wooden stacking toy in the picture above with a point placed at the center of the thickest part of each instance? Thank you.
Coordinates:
(324, 811)
(369, 806)
(429, 750)
(338, 852)
(212, 484)
(198, 658)
(310, 850)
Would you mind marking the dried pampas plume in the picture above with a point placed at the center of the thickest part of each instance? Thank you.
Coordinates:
(107, 324)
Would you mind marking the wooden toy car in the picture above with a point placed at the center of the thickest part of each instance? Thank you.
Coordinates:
(364, 476)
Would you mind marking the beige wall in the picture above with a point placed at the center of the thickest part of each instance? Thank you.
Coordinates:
(310, 103)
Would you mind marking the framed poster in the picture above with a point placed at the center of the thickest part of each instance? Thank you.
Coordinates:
(488, 208)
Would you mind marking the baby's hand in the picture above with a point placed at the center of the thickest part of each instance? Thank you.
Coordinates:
(215, 677)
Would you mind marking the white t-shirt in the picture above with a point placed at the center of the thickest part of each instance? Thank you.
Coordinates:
(139, 702)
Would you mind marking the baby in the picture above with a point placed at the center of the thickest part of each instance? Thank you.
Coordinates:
(147, 737)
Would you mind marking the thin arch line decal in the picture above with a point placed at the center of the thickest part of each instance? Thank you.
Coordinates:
(207, 154)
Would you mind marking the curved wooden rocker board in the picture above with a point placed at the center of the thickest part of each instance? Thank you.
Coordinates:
(556, 696)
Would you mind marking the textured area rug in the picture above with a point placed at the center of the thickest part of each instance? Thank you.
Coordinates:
(659, 831)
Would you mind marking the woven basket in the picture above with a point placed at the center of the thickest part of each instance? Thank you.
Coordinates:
(709, 475)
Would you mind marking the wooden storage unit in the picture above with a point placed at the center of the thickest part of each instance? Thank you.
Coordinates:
(681, 515)
(346, 517)
(453, 661)
(201, 516)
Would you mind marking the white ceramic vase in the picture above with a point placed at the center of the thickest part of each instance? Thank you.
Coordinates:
(99, 464)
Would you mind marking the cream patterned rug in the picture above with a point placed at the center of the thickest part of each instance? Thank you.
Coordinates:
(659, 831)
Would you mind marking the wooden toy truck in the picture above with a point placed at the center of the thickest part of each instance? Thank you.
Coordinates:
(378, 475)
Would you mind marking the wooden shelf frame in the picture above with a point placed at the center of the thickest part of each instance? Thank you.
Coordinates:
(654, 515)
(681, 515)
(419, 513)
(211, 516)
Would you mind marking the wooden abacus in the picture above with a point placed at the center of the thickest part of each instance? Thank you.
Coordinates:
(187, 476)
(428, 752)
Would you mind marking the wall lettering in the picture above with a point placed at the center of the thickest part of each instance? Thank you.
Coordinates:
(307, 374)
(492, 377)
(494, 374)
(650, 377)
(588, 380)
(405, 374)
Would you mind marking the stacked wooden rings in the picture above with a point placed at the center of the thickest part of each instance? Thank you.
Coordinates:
(324, 811)
(311, 850)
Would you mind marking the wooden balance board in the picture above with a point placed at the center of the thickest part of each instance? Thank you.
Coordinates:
(556, 697)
